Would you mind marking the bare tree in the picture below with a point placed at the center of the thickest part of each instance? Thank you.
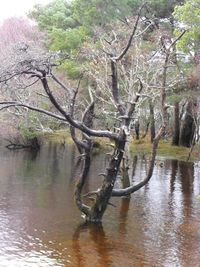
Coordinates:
(37, 67)
(21, 34)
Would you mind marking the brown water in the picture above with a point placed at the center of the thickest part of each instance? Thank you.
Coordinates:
(41, 226)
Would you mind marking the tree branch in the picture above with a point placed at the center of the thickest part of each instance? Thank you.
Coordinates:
(79, 144)
(133, 104)
(131, 189)
(115, 89)
(77, 124)
(123, 53)
(8, 104)
(79, 186)
(60, 83)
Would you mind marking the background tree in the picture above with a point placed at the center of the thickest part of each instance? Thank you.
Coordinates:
(65, 33)
(18, 31)
(17, 35)
(188, 16)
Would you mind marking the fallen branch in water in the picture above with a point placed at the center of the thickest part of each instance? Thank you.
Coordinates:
(16, 144)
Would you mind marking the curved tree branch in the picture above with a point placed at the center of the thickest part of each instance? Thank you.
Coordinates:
(79, 187)
(8, 104)
(131, 189)
(77, 124)
(79, 144)
(123, 53)
(115, 89)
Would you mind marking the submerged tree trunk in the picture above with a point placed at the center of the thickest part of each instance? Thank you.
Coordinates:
(103, 195)
(125, 175)
(176, 132)
(188, 126)
(80, 184)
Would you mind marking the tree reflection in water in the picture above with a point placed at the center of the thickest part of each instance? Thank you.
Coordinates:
(101, 246)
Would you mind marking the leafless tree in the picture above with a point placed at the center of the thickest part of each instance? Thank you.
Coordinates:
(21, 34)
(37, 67)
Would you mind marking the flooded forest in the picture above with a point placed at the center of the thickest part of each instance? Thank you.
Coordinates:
(100, 134)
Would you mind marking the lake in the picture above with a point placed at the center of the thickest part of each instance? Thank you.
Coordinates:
(41, 226)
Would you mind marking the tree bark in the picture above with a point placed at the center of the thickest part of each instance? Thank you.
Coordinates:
(125, 175)
(137, 129)
(103, 195)
(188, 126)
(80, 184)
(146, 129)
(176, 132)
(152, 121)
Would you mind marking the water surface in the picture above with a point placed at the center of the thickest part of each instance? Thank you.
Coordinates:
(41, 226)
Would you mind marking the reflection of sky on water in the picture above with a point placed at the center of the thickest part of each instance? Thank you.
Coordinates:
(40, 225)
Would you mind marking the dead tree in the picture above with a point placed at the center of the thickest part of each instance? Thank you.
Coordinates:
(40, 69)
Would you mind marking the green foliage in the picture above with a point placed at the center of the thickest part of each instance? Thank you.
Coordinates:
(189, 16)
(99, 12)
(174, 98)
(58, 14)
(163, 8)
(65, 33)
(69, 24)
(95, 12)
(72, 68)
(67, 40)
(27, 133)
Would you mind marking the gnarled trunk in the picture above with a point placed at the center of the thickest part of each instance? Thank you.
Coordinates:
(137, 129)
(103, 195)
(176, 132)
(188, 126)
